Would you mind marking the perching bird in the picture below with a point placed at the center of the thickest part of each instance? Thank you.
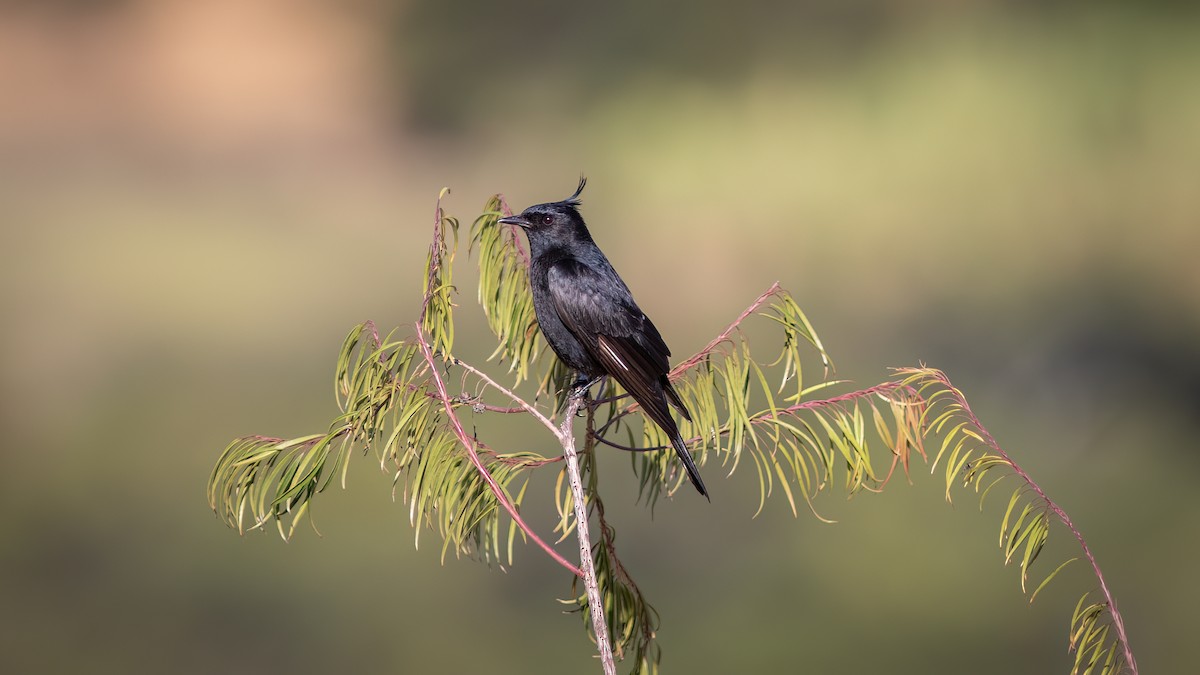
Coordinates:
(588, 316)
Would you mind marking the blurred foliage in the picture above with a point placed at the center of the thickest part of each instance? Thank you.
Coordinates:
(501, 62)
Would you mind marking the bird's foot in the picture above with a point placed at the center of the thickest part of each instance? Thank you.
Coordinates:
(582, 385)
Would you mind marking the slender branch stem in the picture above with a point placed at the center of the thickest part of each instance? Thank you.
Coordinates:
(566, 434)
(477, 405)
(762, 417)
(1117, 621)
(630, 448)
(465, 439)
(468, 442)
(607, 534)
(537, 414)
(472, 402)
(878, 389)
(715, 342)
(612, 420)
(370, 325)
(699, 356)
(435, 259)
(480, 405)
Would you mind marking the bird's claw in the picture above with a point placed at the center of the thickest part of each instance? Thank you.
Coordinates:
(583, 385)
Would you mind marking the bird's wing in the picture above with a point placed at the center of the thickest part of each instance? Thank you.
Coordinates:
(599, 311)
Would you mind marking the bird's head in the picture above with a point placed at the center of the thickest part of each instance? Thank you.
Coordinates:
(553, 222)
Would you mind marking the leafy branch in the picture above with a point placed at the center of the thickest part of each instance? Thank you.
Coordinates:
(395, 400)
(1090, 624)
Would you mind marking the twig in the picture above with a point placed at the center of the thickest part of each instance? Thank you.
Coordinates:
(370, 325)
(708, 349)
(606, 532)
(468, 442)
(761, 417)
(521, 403)
(566, 434)
(699, 356)
(465, 439)
(1117, 621)
(630, 448)
(435, 258)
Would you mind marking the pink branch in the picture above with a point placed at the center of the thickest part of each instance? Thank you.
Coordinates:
(370, 325)
(699, 356)
(465, 439)
(435, 259)
(712, 345)
(764, 416)
(468, 442)
(522, 405)
(862, 393)
(1117, 620)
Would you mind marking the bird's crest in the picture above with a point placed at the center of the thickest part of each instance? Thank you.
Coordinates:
(574, 200)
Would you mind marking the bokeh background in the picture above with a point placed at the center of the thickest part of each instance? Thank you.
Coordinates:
(199, 199)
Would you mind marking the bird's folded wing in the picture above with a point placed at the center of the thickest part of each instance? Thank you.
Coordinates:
(602, 315)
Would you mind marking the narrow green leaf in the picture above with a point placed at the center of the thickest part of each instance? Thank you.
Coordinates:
(1045, 581)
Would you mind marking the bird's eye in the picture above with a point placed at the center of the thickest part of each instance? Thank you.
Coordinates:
(547, 219)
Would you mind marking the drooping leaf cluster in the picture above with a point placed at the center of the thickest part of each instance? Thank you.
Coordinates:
(395, 401)
(437, 311)
(974, 459)
(387, 406)
(504, 291)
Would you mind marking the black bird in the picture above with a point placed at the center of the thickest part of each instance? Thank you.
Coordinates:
(588, 316)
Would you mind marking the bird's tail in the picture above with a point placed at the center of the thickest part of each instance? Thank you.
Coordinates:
(653, 400)
(677, 439)
(686, 457)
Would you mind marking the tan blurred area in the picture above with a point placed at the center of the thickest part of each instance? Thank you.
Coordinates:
(199, 198)
(193, 79)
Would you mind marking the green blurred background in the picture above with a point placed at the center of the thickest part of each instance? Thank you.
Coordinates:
(199, 199)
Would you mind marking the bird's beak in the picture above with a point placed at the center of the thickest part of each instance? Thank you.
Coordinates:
(520, 221)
